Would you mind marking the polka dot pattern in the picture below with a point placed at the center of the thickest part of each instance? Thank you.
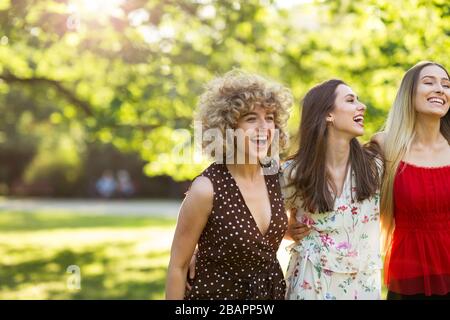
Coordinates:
(235, 260)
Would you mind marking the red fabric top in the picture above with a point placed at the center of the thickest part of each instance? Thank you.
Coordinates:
(419, 258)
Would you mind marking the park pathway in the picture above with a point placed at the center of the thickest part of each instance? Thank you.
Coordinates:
(166, 208)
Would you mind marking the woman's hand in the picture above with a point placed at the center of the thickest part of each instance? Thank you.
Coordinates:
(296, 230)
(191, 270)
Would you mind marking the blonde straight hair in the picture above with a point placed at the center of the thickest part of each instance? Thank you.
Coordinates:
(400, 132)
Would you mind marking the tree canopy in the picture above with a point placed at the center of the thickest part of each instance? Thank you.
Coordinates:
(129, 72)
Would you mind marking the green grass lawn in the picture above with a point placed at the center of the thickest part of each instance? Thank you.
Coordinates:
(119, 257)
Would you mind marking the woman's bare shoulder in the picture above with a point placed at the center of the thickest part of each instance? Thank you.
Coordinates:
(202, 188)
(379, 138)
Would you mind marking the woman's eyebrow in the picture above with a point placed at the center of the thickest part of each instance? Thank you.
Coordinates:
(444, 78)
(351, 95)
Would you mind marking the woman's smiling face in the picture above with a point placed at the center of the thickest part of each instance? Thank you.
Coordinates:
(257, 127)
(348, 112)
(432, 92)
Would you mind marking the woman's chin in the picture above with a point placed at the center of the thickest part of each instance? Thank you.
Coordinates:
(256, 157)
(435, 112)
(357, 132)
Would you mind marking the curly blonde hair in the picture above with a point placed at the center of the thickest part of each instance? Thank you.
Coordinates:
(229, 97)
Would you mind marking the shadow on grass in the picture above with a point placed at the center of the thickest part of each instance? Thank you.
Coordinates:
(113, 277)
(111, 268)
(26, 221)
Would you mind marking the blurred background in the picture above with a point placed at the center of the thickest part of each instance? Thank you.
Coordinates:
(96, 97)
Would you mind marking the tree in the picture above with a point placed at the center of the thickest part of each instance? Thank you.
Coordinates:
(129, 72)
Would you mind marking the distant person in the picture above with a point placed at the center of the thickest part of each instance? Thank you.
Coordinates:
(106, 185)
(125, 185)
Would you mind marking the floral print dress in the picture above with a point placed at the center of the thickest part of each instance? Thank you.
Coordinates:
(340, 259)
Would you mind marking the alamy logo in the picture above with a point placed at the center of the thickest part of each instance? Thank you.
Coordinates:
(234, 146)
(74, 279)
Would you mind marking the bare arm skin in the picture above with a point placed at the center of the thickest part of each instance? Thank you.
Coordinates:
(192, 218)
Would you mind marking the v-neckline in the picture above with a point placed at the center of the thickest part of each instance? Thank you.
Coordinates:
(252, 217)
(348, 177)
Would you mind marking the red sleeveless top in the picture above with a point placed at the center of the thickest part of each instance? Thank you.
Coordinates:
(419, 258)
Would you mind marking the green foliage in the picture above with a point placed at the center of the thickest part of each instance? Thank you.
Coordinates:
(58, 160)
(131, 74)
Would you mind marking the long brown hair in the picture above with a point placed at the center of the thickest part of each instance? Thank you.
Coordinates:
(311, 179)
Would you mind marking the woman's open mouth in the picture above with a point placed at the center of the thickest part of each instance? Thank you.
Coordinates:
(359, 120)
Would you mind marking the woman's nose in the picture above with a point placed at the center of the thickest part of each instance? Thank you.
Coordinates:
(438, 88)
(264, 124)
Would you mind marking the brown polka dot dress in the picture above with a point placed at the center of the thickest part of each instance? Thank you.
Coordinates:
(235, 260)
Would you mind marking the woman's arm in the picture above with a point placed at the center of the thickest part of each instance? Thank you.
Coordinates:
(379, 139)
(296, 231)
(193, 216)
